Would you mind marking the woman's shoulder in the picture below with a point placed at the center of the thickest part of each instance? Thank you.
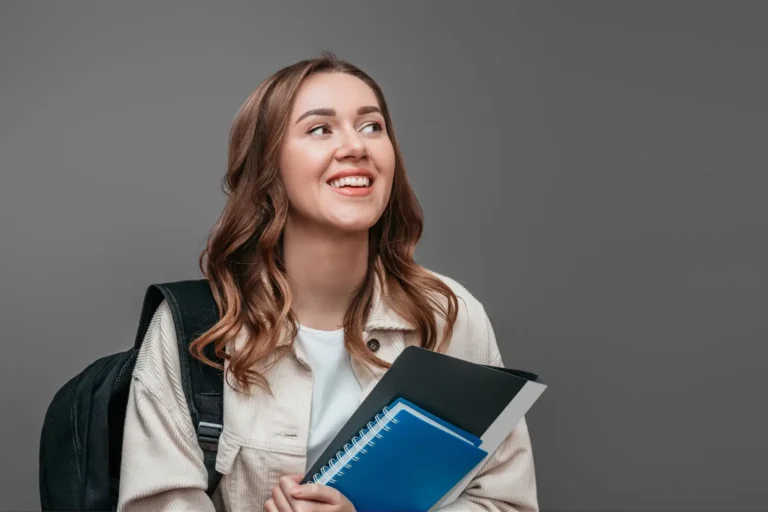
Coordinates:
(469, 306)
(158, 343)
(473, 337)
(157, 363)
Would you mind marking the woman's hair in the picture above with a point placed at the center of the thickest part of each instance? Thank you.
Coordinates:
(243, 260)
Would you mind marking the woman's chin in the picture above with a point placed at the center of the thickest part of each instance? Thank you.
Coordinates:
(353, 225)
(353, 228)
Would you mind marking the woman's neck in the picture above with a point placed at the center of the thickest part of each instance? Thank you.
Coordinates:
(324, 271)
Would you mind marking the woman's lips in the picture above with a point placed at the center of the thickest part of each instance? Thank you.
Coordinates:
(353, 191)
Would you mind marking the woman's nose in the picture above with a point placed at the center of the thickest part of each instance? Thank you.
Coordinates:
(351, 145)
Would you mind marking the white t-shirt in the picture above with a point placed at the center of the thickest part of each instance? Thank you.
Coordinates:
(335, 388)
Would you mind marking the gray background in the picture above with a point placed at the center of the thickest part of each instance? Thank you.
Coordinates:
(595, 173)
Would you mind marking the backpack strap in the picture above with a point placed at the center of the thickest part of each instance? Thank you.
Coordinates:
(194, 312)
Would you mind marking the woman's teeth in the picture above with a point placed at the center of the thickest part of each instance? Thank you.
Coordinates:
(351, 181)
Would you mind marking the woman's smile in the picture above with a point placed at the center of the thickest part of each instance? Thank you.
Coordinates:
(352, 190)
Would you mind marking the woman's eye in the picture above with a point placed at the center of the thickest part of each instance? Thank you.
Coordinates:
(317, 128)
(376, 124)
(325, 126)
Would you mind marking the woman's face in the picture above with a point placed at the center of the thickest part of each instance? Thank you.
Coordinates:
(347, 136)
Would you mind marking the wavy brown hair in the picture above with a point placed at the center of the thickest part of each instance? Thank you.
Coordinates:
(243, 259)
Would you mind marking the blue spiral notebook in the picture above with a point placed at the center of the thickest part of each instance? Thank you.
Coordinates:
(406, 459)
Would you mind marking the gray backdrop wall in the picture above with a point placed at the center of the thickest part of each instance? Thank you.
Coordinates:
(595, 173)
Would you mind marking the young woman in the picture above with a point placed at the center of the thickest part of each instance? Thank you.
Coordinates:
(312, 266)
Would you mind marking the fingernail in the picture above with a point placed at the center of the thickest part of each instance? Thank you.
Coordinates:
(296, 491)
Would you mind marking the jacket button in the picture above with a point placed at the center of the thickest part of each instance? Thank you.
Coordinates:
(373, 344)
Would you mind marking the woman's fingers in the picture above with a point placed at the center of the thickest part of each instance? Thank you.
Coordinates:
(285, 485)
(270, 506)
(281, 501)
(317, 492)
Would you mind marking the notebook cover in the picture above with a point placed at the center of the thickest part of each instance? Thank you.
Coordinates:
(410, 468)
(453, 428)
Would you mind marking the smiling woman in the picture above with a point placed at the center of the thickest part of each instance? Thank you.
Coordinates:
(311, 266)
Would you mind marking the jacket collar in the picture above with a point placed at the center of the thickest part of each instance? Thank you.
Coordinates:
(380, 318)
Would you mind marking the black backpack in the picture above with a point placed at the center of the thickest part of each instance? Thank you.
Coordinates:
(81, 438)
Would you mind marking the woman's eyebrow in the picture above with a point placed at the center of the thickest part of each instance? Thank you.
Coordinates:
(331, 112)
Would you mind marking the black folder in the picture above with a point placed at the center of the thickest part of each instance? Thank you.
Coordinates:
(468, 395)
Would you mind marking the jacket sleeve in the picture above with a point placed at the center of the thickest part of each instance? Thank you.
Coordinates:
(162, 465)
(507, 481)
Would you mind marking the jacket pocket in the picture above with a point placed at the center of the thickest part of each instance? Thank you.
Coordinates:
(229, 448)
(251, 472)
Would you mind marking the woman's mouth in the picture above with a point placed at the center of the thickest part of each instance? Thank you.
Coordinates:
(352, 185)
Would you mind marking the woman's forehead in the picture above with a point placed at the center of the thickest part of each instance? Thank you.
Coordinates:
(339, 91)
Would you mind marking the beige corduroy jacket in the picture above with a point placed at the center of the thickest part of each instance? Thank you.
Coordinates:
(265, 437)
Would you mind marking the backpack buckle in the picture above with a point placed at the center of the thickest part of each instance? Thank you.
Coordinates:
(209, 433)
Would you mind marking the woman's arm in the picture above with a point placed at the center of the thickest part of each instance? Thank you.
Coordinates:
(162, 464)
(507, 481)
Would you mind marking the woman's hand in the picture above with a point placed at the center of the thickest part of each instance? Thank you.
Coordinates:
(289, 496)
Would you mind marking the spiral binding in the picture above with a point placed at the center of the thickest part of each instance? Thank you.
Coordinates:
(344, 457)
